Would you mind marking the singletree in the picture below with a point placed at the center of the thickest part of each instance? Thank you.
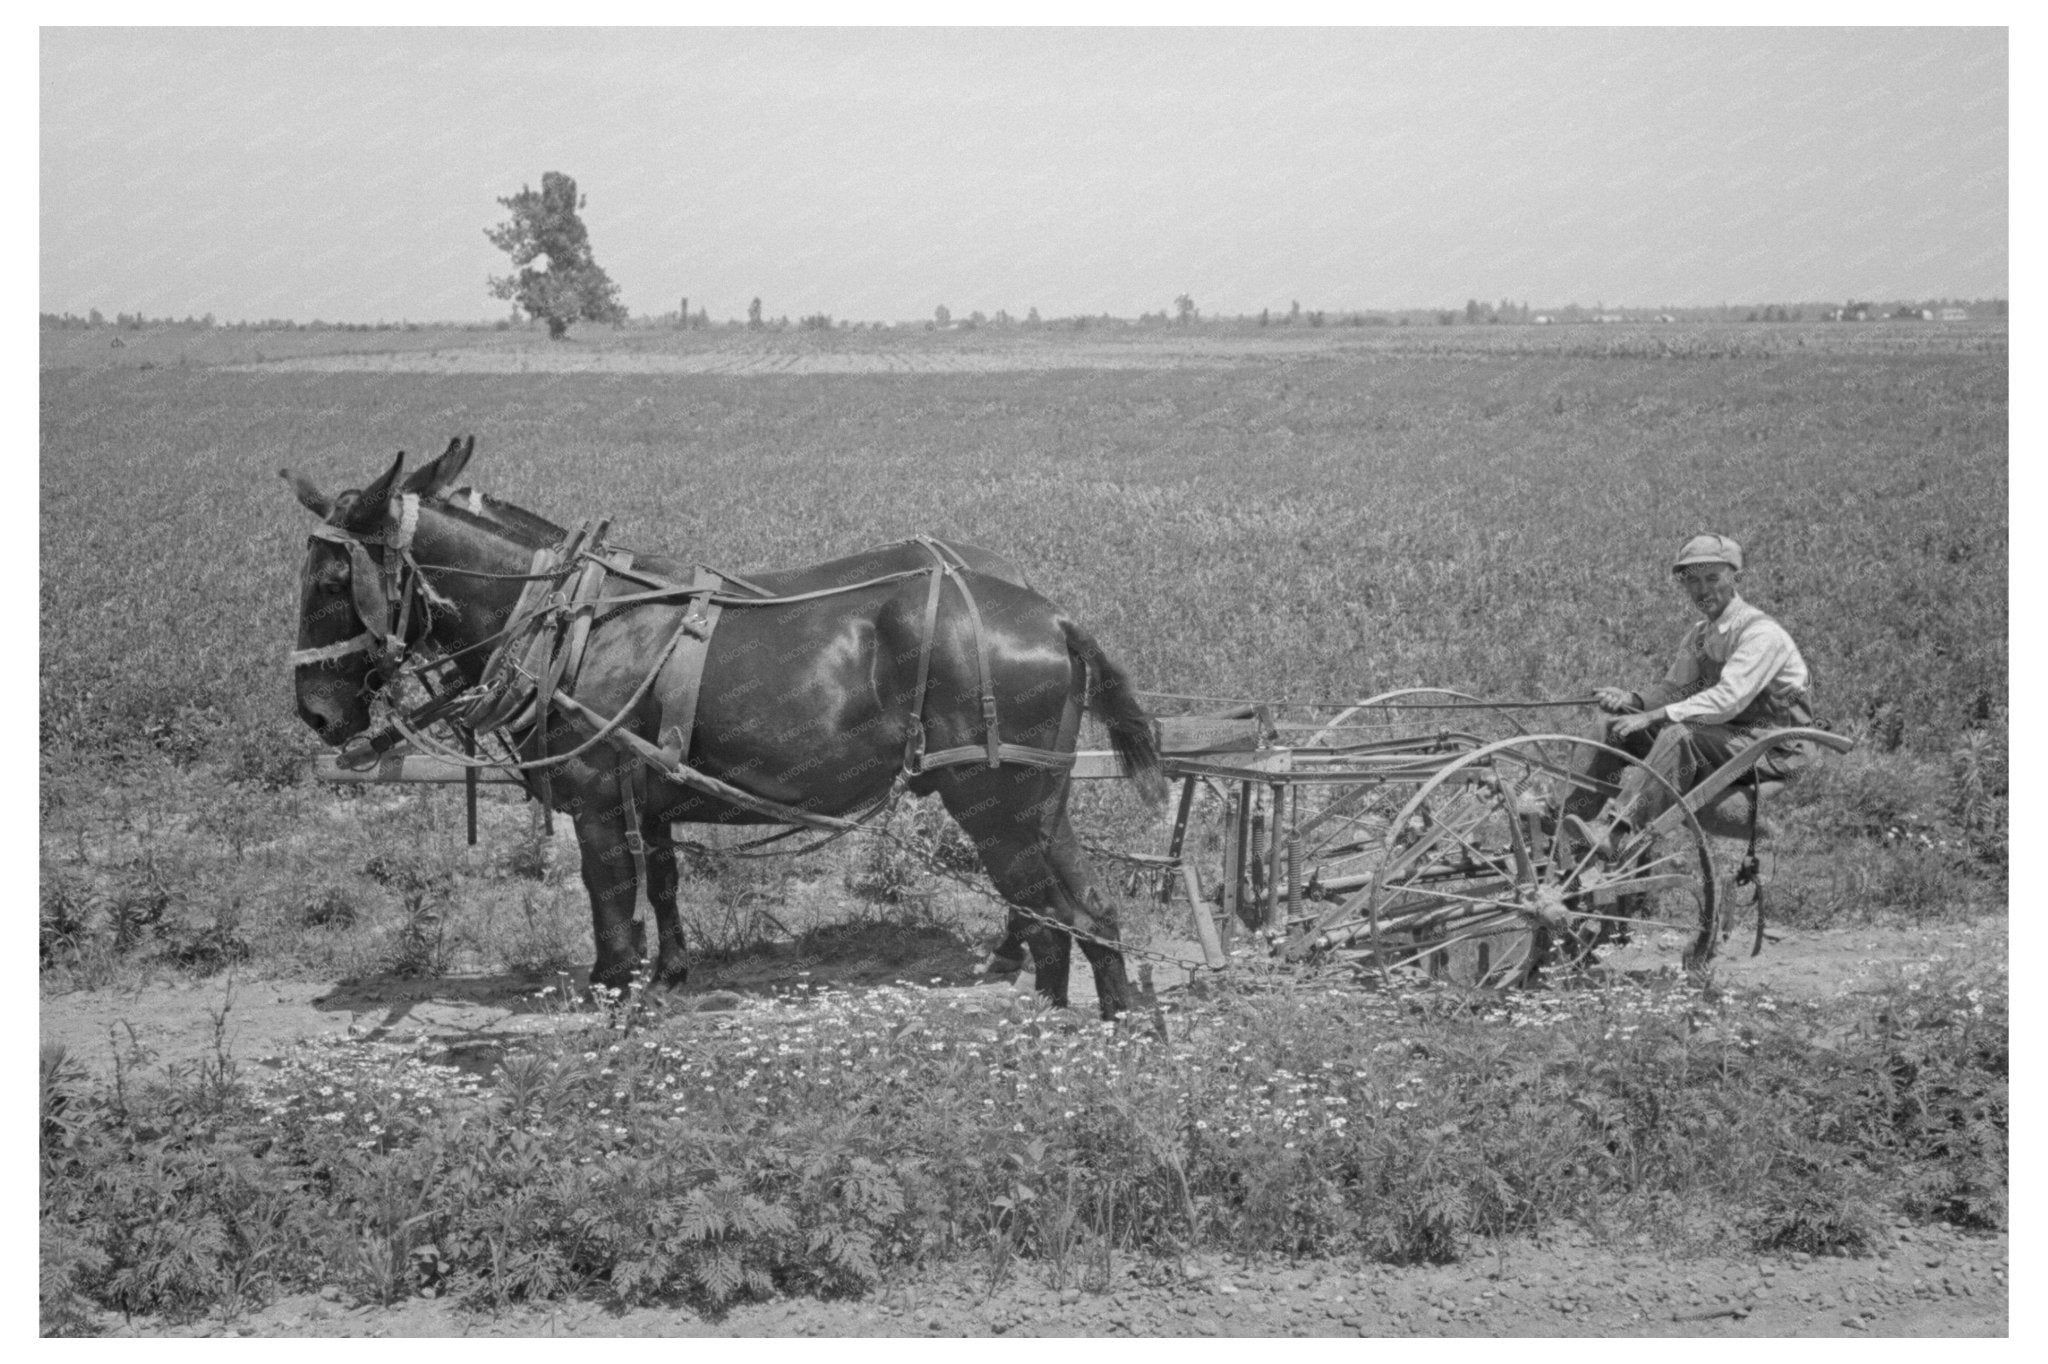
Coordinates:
(544, 227)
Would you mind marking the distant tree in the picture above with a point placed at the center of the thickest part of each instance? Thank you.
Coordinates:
(1031, 318)
(754, 314)
(573, 287)
(942, 315)
(1294, 312)
(1184, 308)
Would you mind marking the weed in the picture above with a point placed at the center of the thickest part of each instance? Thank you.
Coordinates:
(66, 913)
(549, 934)
(1978, 798)
(330, 908)
(139, 903)
(728, 901)
(425, 894)
(1814, 1203)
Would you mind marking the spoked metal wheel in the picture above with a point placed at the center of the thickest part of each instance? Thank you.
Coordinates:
(1353, 772)
(1482, 884)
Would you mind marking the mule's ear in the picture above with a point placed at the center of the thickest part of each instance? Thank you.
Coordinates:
(432, 478)
(309, 496)
(366, 513)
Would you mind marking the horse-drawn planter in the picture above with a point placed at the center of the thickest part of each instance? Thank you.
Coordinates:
(1416, 829)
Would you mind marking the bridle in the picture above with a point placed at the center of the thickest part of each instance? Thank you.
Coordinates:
(385, 615)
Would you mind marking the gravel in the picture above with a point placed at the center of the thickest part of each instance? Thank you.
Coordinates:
(1933, 1282)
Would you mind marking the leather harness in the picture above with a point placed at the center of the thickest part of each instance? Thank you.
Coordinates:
(537, 658)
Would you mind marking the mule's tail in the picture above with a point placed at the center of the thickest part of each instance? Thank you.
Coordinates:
(1109, 698)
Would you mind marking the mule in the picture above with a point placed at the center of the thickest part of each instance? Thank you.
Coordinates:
(437, 479)
(804, 703)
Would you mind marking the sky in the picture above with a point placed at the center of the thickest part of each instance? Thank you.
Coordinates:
(874, 174)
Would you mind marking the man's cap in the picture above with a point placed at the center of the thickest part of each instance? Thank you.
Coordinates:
(1708, 549)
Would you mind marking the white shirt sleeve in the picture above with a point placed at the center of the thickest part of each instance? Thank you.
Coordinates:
(1758, 656)
(1681, 678)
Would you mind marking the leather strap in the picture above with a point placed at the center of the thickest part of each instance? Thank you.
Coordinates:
(994, 750)
(545, 657)
(988, 691)
(913, 745)
(500, 674)
(686, 684)
(632, 785)
(583, 604)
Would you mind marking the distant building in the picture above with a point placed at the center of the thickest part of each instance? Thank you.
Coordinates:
(1952, 315)
(1541, 319)
(1610, 317)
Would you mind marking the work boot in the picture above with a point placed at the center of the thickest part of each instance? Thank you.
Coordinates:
(1605, 837)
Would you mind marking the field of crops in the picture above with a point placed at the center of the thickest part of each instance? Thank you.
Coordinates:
(1234, 513)
(1295, 523)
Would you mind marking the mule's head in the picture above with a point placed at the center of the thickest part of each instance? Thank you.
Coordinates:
(344, 606)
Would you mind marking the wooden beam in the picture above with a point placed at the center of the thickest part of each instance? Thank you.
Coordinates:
(406, 767)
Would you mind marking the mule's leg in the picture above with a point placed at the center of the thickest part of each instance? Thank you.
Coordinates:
(1017, 819)
(608, 878)
(672, 962)
(1095, 916)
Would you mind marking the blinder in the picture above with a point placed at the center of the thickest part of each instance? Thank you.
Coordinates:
(372, 601)
(383, 621)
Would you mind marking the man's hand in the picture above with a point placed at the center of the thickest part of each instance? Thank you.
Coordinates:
(1632, 724)
(1616, 700)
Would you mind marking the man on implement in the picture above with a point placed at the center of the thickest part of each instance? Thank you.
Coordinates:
(1737, 674)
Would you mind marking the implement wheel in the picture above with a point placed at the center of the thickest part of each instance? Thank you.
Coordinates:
(1373, 754)
(1482, 885)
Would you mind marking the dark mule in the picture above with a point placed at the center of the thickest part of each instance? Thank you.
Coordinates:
(806, 703)
(437, 480)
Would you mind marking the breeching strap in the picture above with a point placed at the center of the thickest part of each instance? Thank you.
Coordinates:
(992, 748)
